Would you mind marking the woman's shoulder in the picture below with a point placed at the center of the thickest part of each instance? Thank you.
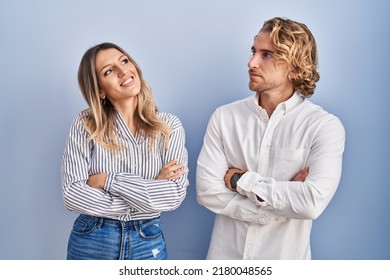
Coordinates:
(80, 120)
(81, 117)
(170, 119)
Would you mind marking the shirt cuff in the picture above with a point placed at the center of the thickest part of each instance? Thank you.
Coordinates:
(109, 181)
(248, 186)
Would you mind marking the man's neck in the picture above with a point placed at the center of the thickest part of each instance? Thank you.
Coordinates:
(269, 101)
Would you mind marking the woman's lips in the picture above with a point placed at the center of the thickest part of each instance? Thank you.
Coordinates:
(127, 82)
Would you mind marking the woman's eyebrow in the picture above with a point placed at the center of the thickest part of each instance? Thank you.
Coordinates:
(105, 66)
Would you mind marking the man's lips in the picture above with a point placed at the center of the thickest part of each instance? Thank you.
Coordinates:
(254, 74)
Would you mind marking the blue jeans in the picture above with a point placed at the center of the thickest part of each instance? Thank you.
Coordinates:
(94, 238)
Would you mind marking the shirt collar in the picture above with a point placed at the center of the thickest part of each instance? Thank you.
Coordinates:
(292, 102)
(287, 105)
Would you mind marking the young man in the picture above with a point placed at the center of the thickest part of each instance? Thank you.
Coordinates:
(271, 163)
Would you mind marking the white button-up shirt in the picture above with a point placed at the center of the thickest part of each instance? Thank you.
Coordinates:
(298, 134)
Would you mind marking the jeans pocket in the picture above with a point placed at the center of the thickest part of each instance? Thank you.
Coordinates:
(151, 229)
(84, 225)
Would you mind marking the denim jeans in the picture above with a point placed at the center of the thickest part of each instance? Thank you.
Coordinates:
(94, 238)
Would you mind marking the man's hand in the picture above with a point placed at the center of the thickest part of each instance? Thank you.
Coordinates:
(301, 175)
(229, 175)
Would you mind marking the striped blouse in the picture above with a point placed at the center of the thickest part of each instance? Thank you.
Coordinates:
(131, 191)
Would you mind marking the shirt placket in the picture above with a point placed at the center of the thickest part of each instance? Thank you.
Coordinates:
(268, 126)
(250, 242)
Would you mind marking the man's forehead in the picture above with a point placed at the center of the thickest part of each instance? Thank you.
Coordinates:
(263, 41)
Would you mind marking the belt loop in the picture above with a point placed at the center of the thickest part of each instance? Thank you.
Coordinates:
(99, 222)
(137, 225)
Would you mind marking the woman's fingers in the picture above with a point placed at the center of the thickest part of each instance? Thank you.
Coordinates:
(172, 170)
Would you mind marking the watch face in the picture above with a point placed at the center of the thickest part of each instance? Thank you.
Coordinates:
(233, 180)
(236, 177)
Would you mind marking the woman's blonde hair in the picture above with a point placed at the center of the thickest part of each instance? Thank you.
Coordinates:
(100, 117)
(295, 44)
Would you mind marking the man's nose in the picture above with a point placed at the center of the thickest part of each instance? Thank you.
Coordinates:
(253, 62)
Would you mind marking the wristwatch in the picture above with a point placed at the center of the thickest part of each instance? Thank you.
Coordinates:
(234, 179)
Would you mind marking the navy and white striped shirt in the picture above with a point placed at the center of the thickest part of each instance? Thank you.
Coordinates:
(131, 191)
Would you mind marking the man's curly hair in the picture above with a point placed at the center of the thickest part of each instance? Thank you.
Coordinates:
(295, 45)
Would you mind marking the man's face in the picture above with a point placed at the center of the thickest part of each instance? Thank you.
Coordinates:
(267, 73)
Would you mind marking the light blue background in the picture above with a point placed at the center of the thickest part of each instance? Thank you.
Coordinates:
(194, 54)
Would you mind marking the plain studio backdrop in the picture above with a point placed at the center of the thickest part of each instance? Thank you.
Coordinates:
(194, 55)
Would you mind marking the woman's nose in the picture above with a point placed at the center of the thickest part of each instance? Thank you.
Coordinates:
(122, 71)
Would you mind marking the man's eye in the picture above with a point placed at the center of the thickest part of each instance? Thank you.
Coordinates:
(267, 55)
(108, 72)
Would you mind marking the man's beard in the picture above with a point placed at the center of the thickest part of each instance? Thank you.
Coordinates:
(259, 88)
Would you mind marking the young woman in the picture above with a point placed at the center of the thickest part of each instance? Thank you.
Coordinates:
(124, 162)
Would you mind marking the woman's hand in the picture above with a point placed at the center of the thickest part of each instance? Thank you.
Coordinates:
(97, 181)
(171, 171)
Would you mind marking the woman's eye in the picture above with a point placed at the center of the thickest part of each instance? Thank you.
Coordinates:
(108, 72)
(125, 61)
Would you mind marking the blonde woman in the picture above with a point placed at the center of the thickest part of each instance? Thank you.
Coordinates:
(124, 162)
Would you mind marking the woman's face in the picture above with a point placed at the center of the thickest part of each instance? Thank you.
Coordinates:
(117, 76)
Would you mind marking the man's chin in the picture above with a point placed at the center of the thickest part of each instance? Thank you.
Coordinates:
(253, 87)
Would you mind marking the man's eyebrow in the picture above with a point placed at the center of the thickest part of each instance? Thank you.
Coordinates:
(266, 50)
(261, 50)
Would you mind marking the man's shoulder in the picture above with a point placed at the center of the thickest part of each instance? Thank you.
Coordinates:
(315, 112)
(236, 105)
(315, 109)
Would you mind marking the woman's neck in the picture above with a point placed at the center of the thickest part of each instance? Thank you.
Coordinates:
(127, 112)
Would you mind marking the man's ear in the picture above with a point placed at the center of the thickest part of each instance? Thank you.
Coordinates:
(292, 75)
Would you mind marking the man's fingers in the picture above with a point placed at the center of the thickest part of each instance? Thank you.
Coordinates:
(301, 176)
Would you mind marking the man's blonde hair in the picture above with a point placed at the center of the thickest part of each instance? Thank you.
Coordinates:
(295, 45)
